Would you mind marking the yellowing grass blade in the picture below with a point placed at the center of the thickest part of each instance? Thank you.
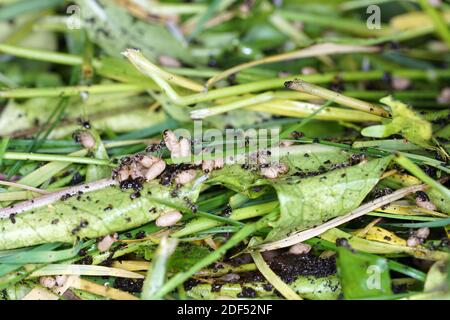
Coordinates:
(84, 270)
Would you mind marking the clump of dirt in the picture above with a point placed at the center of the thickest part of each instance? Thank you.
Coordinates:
(129, 285)
(289, 266)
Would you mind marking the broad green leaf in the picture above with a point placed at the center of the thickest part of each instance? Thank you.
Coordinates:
(405, 122)
(90, 215)
(236, 178)
(187, 255)
(362, 275)
(114, 29)
(302, 159)
(309, 202)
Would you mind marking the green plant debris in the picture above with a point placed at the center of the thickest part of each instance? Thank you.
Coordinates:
(235, 149)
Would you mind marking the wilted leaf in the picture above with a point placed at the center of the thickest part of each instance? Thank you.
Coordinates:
(186, 255)
(110, 111)
(90, 215)
(304, 159)
(405, 122)
(309, 202)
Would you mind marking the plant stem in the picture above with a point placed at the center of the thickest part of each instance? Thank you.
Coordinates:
(53, 157)
(298, 109)
(3, 148)
(201, 224)
(208, 112)
(353, 103)
(157, 272)
(146, 67)
(42, 55)
(313, 51)
(277, 83)
(347, 25)
(71, 90)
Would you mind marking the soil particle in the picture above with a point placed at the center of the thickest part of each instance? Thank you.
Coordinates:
(129, 285)
(378, 193)
(216, 287)
(65, 196)
(422, 196)
(268, 287)
(85, 261)
(83, 224)
(297, 135)
(108, 261)
(227, 211)
(135, 195)
(135, 184)
(247, 292)
(12, 217)
(189, 284)
(155, 147)
(76, 179)
(140, 235)
(357, 158)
